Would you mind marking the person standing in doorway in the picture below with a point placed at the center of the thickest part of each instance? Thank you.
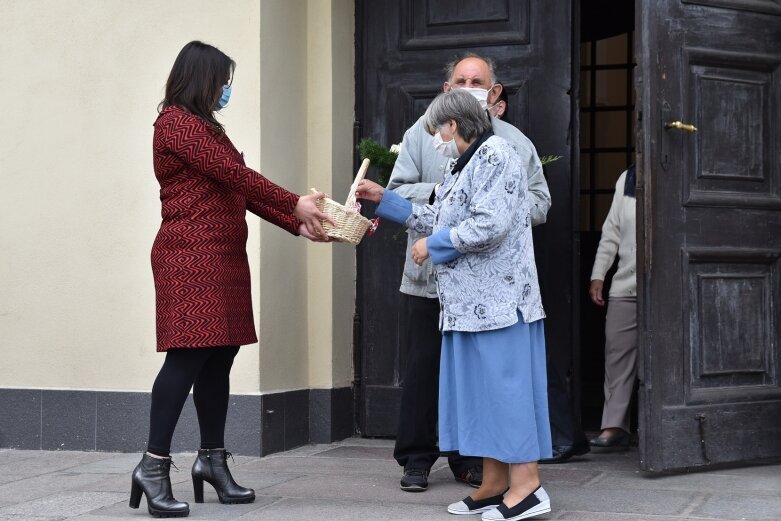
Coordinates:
(201, 274)
(418, 169)
(618, 237)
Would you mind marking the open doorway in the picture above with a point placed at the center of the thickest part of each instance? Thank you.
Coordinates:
(607, 148)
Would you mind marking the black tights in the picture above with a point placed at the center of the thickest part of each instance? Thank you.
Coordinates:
(205, 370)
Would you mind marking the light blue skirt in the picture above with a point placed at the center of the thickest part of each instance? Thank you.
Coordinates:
(493, 394)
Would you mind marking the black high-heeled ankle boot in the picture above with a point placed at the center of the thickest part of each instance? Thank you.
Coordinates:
(151, 477)
(211, 465)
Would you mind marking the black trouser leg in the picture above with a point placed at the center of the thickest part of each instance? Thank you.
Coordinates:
(565, 429)
(211, 394)
(170, 390)
(416, 438)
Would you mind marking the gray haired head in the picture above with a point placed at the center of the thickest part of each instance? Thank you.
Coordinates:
(450, 67)
(460, 106)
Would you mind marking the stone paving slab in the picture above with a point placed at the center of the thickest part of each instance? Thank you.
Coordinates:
(609, 499)
(380, 488)
(37, 487)
(304, 509)
(211, 509)
(64, 504)
(735, 484)
(44, 462)
(11, 455)
(601, 516)
(326, 466)
(383, 453)
(4, 517)
(732, 506)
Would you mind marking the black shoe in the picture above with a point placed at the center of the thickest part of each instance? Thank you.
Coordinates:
(533, 505)
(620, 440)
(212, 466)
(562, 453)
(472, 477)
(414, 480)
(475, 506)
(152, 477)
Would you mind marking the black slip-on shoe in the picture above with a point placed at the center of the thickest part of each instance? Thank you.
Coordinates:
(534, 504)
(562, 453)
(414, 480)
(475, 506)
(472, 477)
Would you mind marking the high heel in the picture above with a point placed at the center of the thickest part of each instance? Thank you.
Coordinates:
(135, 494)
(211, 466)
(152, 477)
(198, 489)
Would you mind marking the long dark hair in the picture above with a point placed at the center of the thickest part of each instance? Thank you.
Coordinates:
(196, 80)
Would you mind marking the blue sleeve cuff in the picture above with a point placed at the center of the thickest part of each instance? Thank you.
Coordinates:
(394, 207)
(440, 247)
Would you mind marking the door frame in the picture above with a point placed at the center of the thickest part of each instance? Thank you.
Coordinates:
(571, 374)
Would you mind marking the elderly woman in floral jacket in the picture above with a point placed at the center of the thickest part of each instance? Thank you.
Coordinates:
(493, 398)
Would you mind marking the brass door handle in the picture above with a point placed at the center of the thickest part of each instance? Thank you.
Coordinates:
(679, 125)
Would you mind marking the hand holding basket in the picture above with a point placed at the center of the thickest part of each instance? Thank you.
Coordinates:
(350, 226)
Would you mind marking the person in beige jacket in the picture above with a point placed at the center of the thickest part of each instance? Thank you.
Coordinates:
(618, 236)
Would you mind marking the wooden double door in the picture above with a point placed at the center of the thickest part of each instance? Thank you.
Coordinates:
(709, 203)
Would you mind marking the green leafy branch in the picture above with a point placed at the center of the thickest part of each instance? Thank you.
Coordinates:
(546, 160)
(381, 157)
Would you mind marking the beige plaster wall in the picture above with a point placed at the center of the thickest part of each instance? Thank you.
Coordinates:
(307, 51)
(79, 206)
(283, 284)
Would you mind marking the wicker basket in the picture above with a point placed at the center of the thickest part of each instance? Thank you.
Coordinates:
(350, 225)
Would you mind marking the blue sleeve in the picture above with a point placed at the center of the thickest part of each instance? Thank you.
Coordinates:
(440, 247)
(394, 207)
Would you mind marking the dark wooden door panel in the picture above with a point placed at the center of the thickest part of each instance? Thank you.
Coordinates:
(709, 232)
(403, 47)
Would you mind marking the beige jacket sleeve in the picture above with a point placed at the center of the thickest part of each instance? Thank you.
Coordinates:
(611, 234)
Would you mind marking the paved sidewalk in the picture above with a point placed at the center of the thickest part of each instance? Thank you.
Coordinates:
(358, 480)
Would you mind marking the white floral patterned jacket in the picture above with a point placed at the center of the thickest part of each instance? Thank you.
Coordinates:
(486, 207)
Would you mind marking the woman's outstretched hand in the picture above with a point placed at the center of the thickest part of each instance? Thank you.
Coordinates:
(303, 232)
(419, 251)
(306, 211)
(369, 190)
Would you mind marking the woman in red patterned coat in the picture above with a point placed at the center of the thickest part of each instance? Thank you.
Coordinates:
(202, 280)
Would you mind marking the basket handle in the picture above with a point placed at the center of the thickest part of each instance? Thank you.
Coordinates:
(361, 174)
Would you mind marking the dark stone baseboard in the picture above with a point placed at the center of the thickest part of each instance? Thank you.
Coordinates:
(119, 421)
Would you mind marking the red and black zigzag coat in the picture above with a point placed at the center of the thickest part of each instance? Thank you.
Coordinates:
(199, 258)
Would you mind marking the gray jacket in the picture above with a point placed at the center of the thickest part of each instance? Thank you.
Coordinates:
(486, 208)
(419, 167)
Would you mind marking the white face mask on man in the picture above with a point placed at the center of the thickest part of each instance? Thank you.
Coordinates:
(446, 148)
(480, 95)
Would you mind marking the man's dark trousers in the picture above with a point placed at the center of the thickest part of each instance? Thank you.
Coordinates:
(416, 440)
(565, 429)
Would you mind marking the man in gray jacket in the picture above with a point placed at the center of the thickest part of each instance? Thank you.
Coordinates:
(419, 168)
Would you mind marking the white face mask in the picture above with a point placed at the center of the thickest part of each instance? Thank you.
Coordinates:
(480, 95)
(446, 148)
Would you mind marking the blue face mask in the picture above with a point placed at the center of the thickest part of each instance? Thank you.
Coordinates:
(226, 95)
